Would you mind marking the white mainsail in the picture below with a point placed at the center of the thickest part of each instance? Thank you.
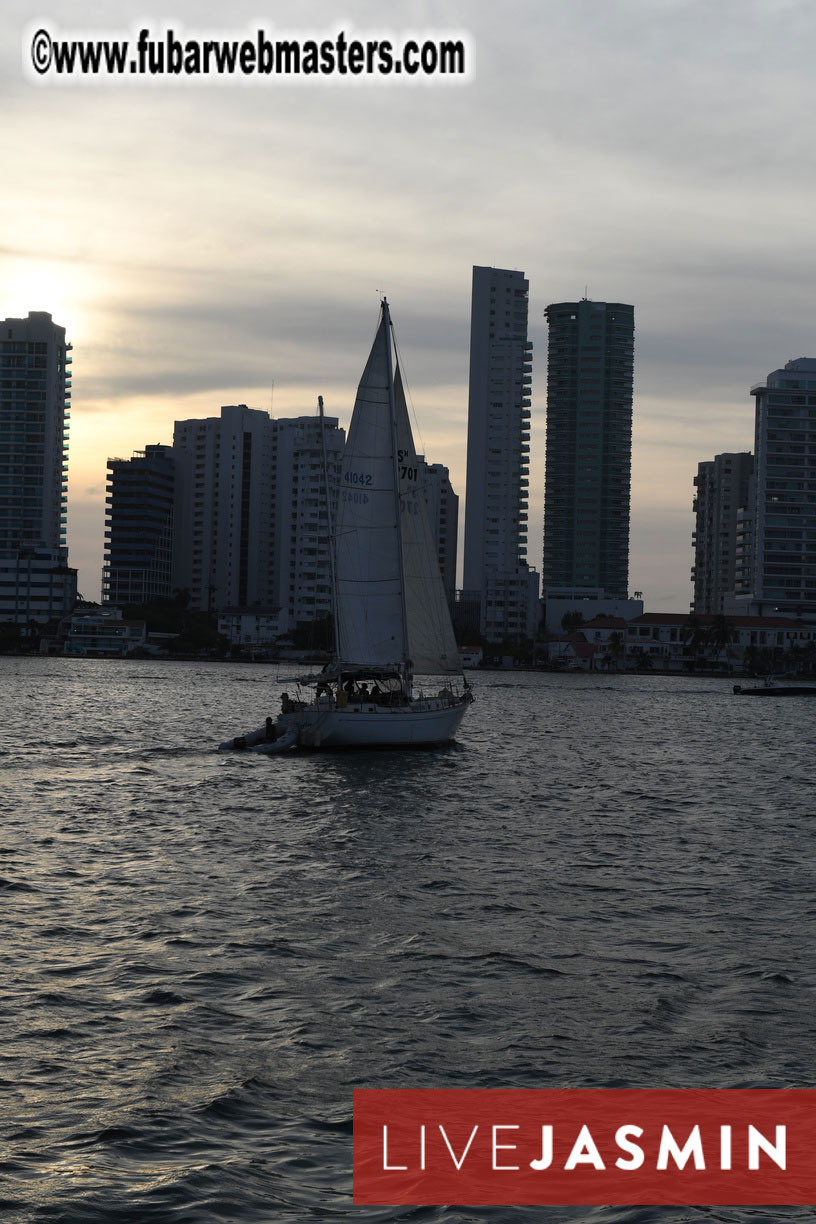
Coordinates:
(370, 614)
(383, 535)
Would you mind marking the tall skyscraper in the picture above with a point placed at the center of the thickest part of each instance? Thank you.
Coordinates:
(139, 513)
(589, 446)
(36, 582)
(223, 537)
(495, 567)
(780, 525)
(721, 488)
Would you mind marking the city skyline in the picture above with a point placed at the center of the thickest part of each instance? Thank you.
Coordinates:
(208, 244)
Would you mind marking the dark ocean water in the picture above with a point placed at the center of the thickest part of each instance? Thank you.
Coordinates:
(608, 882)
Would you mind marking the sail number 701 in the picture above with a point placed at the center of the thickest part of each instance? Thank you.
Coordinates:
(406, 471)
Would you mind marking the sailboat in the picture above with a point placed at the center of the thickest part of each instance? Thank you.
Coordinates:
(391, 617)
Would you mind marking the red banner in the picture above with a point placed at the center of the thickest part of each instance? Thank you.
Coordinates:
(585, 1146)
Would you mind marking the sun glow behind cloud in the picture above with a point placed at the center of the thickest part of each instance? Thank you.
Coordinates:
(56, 287)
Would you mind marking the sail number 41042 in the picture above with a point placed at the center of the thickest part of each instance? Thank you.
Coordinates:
(358, 478)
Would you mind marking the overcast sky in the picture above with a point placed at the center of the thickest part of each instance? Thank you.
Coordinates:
(221, 244)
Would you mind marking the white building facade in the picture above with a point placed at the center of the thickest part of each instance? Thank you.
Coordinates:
(498, 454)
(301, 578)
(255, 630)
(223, 522)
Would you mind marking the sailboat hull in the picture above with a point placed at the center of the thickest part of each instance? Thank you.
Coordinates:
(421, 723)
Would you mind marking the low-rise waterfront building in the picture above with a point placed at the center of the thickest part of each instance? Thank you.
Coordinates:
(101, 632)
(253, 628)
(673, 642)
(573, 652)
(590, 602)
(682, 642)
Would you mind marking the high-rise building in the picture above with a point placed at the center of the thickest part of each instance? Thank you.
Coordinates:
(251, 529)
(589, 446)
(139, 512)
(721, 493)
(443, 515)
(300, 530)
(223, 535)
(779, 527)
(36, 582)
(498, 454)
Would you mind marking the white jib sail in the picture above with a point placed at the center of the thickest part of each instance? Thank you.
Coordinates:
(431, 644)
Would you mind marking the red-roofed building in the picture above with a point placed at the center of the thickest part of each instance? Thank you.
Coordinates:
(573, 650)
(681, 642)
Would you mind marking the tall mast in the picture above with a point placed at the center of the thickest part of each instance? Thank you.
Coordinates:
(392, 405)
(333, 577)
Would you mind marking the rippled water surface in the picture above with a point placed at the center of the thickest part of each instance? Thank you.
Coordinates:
(607, 882)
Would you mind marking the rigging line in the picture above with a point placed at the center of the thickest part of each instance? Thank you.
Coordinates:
(407, 390)
(330, 541)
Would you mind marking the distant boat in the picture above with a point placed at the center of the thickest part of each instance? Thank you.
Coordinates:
(390, 610)
(771, 689)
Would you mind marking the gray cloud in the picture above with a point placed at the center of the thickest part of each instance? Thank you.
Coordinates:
(214, 240)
